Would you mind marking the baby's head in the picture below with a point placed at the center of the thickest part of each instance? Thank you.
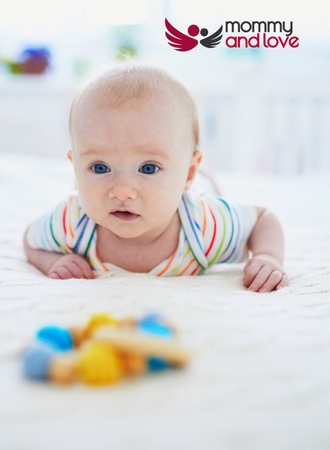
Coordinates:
(134, 134)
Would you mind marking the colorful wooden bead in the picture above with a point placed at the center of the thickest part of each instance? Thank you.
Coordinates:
(133, 364)
(96, 321)
(155, 327)
(58, 338)
(99, 365)
(157, 364)
(36, 362)
(78, 335)
(62, 371)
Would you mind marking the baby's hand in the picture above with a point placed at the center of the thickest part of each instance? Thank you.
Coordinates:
(70, 266)
(263, 273)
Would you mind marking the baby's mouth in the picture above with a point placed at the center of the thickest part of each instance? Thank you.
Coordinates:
(125, 215)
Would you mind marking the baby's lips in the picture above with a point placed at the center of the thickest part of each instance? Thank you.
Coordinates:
(124, 210)
(125, 216)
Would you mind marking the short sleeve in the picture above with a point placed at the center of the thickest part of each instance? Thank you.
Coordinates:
(229, 226)
(64, 229)
(217, 230)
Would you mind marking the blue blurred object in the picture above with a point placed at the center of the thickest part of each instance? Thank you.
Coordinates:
(36, 362)
(58, 338)
(31, 61)
(35, 52)
(152, 324)
(157, 364)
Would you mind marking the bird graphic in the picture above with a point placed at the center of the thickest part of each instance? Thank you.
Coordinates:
(183, 43)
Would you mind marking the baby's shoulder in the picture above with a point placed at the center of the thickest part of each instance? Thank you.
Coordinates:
(73, 205)
(70, 215)
(78, 227)
(202, 207)
(197, 199)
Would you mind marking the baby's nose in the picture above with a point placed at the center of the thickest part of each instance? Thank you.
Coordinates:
(123, 189)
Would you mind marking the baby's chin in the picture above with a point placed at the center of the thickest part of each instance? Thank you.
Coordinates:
(126, 234)
(124, 229)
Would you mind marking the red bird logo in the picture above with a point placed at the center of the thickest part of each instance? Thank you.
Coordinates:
(183, 43)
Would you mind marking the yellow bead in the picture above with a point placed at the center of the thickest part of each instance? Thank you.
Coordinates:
(96, 321)
(99, 365)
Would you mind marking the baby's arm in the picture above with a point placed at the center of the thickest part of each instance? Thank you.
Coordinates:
(263, 272)
(57, 265)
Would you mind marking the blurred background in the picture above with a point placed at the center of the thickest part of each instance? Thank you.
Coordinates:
(263, 111)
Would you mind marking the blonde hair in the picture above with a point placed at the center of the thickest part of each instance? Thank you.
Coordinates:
(127, 85)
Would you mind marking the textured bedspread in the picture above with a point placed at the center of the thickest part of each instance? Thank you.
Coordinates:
(260, 378)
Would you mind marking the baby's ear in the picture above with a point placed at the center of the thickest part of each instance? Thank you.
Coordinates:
(194, 163)
(69, 154)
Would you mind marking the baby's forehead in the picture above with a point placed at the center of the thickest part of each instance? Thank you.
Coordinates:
(166, 98)
(128, 89)
(142, 128)
(172, 111)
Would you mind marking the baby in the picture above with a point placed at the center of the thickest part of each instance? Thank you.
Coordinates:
(134, 135)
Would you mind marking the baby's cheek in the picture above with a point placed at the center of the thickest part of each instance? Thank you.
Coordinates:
(90, 204)
(167, 203)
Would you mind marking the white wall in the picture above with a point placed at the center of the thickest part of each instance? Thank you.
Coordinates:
(266, 112)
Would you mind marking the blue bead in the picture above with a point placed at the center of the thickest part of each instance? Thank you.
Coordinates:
(36, 361)
(58, 338)
(155, 327)
(152, 324)
(157, 364)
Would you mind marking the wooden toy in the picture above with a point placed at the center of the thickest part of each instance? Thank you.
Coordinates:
(104, 352)
(143, 344)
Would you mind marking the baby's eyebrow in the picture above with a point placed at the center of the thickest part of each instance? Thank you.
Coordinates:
(153, 152)
(89, 152)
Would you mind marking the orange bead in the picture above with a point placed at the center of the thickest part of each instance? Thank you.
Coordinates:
(133, 364)
(78, 335)
(62, 372)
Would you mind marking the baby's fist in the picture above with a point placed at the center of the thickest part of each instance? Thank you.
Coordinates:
(70, 266)
(263, 273)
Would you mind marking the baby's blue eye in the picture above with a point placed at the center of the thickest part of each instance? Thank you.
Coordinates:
(100, 168)
(149, 168)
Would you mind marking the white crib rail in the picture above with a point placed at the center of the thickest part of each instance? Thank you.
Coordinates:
(270, 125)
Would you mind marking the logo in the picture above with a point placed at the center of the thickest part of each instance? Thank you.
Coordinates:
(183, 42)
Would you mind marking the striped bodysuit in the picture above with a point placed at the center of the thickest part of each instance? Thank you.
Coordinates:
(212, 231)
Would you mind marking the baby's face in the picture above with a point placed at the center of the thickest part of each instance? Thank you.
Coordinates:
(137, 160)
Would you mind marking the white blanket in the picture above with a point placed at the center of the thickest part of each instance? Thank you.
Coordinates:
(260, 378)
